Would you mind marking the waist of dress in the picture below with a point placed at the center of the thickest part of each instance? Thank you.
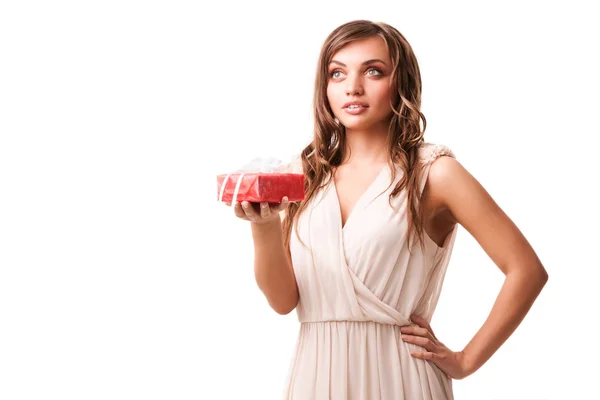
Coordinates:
(345, 321)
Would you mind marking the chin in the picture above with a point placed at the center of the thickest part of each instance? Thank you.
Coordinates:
(356, 124)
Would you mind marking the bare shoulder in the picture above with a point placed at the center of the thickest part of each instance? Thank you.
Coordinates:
(443, 161)
(451, 187)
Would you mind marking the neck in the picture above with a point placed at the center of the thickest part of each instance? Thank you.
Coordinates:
(366, 146)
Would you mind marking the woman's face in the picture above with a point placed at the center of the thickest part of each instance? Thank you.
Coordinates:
(361, 72)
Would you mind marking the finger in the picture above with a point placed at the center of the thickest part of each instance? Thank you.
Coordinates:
(265, 210)
(249, 211)
(281, 206)
(228, 204)
(424, 355)
(237, 209)
(420, 341)
(415, 330)
(418, 320)
(421, 322)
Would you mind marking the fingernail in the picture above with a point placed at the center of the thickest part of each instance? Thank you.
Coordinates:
(285, 199)
(245, 204)
(264, 205)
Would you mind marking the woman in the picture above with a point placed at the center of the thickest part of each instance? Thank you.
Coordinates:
(362, 259)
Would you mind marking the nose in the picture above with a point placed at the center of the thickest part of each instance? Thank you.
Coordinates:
(354, 85)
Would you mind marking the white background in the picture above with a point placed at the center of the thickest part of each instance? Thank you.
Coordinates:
(122, 277)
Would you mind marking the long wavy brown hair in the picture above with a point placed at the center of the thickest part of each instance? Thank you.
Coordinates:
(326, 150)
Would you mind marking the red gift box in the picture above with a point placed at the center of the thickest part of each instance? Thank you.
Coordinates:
(260, 186)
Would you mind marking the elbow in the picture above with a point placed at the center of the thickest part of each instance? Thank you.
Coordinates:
(284, 311)
(544, 278)
(543, 275)
(535, 276)
(285, 308)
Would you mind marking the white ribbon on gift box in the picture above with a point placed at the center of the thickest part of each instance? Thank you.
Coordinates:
(258, 165)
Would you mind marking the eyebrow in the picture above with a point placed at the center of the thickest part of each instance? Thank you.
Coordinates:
(374, 60)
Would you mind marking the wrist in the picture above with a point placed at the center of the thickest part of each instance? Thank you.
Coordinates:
(266, 226)
(469, 362)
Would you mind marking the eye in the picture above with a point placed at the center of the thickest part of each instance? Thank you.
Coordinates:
(376, 70)
(332, 73)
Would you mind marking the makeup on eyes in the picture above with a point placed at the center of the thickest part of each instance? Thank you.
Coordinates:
(380, 72)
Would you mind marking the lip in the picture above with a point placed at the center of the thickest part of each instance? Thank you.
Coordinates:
(355, 103)
(356, 111)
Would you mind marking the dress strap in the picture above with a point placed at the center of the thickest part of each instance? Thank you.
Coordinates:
(428, 153)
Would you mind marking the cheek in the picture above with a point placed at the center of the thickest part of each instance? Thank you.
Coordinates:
(383, 95)
(331, 97)
(384, 92)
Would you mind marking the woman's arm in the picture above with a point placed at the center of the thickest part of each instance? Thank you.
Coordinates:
(454, 189)
(272, 266)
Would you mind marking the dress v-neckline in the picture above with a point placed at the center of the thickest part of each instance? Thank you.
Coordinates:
(358, 203)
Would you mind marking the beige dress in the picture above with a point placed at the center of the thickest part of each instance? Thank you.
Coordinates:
(358, 284)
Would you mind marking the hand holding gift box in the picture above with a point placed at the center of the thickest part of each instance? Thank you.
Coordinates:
(262, 180)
